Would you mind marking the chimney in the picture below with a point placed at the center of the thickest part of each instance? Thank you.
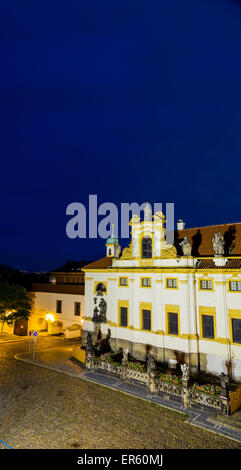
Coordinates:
(180, 224)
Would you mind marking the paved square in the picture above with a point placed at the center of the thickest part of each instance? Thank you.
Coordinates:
(44, 409)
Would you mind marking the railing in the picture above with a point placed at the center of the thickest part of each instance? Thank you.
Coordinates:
(136, 375)
(155, 383)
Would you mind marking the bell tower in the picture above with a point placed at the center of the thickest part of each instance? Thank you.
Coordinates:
(110, 243)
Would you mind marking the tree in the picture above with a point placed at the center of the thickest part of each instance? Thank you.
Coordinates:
(15, 303)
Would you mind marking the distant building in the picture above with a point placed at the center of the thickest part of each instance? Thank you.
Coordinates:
(183, 299)
(59, 305)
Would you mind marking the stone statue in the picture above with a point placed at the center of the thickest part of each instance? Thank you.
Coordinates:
(103, 309)
(89, 345)
(96, 315)
(125, 356)
(108, 335)
(224, 395)
(224, 381)
(185, 372)
(218, 244)
(148, 212)
(117, 250)
(100, 309)
(186, 247)
(151, 365)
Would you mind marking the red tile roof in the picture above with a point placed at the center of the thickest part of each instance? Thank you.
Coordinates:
(209, 264)
(201, 239)
(102, 263)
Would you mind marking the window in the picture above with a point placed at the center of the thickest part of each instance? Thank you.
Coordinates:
(208, 326)
(58, 306)
(123, 281)
(236, 330)
(77, 308)
(146, 247)
(146, 282)
(235, 286)
(172, 323)
(123, 316)
(206, 285)
(171, 283)
(146, 319)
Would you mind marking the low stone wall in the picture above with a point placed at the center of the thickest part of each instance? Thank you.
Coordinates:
(205, 399)
(136, 376)
(167, 387)
(155, 384)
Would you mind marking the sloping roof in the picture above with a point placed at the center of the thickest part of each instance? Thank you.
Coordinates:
(209, 264)
(202, 246)
(102, 263)
(77, 289)
(201, 239)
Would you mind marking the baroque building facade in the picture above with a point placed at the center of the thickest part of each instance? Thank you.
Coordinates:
(182, 298)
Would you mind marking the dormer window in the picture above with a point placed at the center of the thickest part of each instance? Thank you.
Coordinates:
(146, 247)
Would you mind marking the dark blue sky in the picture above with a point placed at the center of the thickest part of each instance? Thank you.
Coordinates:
(129, 100)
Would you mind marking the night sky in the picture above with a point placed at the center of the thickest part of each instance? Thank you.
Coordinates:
(130, 100)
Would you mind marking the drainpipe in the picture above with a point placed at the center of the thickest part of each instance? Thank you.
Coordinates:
(196, 317)
(226, 322)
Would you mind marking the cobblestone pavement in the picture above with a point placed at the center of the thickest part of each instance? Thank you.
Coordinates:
(44, 409)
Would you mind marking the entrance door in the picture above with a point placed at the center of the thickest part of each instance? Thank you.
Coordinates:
(21, 327)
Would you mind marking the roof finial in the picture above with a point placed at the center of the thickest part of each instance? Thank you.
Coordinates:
(147, 212)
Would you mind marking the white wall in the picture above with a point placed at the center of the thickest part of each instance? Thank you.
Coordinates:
(45, 303)
(188, 297)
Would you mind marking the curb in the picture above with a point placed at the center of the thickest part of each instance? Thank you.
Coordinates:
(220, 423)
(13, 341)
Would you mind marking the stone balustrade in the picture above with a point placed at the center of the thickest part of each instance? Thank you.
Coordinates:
(155, 384)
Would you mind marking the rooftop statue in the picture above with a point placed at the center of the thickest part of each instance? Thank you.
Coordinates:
(117, 250)
(186, 247)
(218, 244)
(148, 212)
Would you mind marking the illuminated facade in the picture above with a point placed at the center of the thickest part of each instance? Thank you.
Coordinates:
(182, 298)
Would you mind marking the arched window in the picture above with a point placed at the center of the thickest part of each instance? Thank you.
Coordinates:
(146, 247)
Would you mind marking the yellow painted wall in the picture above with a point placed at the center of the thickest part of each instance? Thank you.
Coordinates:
(235, 400)
(79, 354)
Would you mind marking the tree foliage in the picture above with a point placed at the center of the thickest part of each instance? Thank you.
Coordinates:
(15, 303)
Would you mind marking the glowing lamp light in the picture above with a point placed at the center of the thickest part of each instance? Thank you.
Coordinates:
(49, 317)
